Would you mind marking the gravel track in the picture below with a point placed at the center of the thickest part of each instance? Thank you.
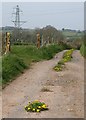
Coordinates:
(65, 98)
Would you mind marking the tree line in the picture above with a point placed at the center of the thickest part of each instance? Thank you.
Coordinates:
(48, 35)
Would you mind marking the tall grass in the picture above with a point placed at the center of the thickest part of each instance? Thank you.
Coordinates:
(83, 50)
(21, 57)
(11, 66)
(0, 71)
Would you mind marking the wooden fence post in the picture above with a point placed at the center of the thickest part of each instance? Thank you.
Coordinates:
(7, 42)
(38, 40)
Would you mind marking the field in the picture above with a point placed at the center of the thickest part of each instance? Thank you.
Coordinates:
(72, 35)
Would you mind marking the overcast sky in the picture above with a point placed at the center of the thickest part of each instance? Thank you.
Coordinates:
(60, 15)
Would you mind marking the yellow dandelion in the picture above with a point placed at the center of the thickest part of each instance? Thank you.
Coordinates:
(28, 108)
(39, 106)
(43, 106)
(33, 109)
(38, 110)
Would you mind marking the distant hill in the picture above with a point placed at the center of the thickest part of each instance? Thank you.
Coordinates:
(10, 29)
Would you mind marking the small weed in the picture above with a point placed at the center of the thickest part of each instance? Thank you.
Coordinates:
(36, 106)
(66, 58)
(58, 68)
(61, 62)
(45, 89)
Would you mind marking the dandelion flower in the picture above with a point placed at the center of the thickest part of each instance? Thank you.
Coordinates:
(38, 110)
(39, 106)
(43, 106)
(33, 109)
(28, 108)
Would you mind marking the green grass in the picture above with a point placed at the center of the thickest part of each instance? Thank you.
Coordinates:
(83, 50)
(72, 35)
(21, 57)
(68, 55)
(11, 66)
(68, 33)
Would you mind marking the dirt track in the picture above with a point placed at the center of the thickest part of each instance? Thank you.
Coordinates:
(66, 99)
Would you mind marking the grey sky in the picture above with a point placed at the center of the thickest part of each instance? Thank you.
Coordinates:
(60, 15)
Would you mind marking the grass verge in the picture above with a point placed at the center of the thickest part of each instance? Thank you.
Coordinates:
(21, 57)
(83, 50)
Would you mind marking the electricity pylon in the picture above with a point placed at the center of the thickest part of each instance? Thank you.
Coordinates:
(17, 22)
